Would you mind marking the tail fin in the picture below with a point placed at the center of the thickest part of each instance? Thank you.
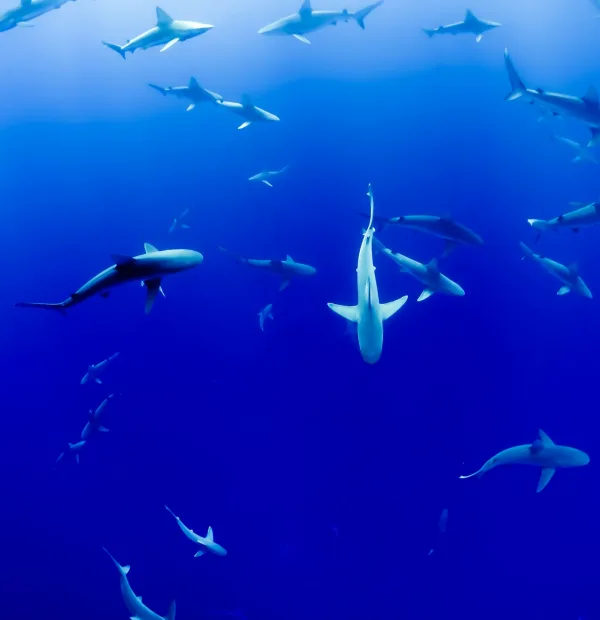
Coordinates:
(360, 15)
(116, 48)
(171, 613)
(477, 473)
(526, 251)
(160, 89)
(238, 257)
(372, 201)
(169, 510)
(429, 32)
(517, 86)
(61, 307)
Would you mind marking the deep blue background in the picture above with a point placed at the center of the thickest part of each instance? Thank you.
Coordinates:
(322, 476)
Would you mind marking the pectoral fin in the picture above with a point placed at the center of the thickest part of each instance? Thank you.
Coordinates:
(547, 473)
(190, 107)
(350, 313)
(478, 38)
(267, 183)
(301, 39)
(389, 309)
(284, 284)
(564, 290)
(244, 125)
(425, 294)
(153, 287)
(169, 44)
(198, 554)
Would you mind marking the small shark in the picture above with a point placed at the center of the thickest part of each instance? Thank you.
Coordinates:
(543, 452)
(167, 32)
(249, 112)
(193, 92)
(208, 543)
(584, 215)
(308, 20)
(134, 603)
(429, 274)
(179, 223)
(264, 314)
(73, 448)
(442, 526)
(93, 424)
(369, 314)
(584, 153)
(265, 177)
(149, 268)
(444, 227)
(470, 25)
(569, 276)
(287, 268)
(26, 11)
(96, 369)
(585, 109)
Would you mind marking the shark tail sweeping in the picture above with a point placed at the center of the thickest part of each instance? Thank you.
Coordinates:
(60, 307)
(116, 48)
(429, 32)
(238, 257)
(363, 13)
(475, 474)
(527, 253)
(160, 89)
(516, 84)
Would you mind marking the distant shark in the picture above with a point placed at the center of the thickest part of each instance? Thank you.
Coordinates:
(469, 25)
(264, 314)
(93, 424)
(207, 543)
(73, 448)
(167, 32)
(429, 274)
(287, 268)
(369, 314)
(584, 153)
(26, 11)
(307, 20)
(584, 215)
(150, 268)
(585, 109)
(543, 452)
(249, 112)
(134, 603)
(193, 92)
(179, 222)
(267, 176)
(569, 276)
(96, 369)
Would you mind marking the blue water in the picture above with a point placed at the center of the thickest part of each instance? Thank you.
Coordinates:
(323, 477)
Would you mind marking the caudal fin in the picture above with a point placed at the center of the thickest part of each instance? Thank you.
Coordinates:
(477, 474)
(516, 84)
(429, 32)
(116, 48)
(363, 13)
(238, 257)
(526, 251)
(61, 307)
(160, 89)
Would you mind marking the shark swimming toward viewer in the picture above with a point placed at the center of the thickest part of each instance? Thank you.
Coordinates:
(369, 314)
(207, 542)
(569, 276)
(543, 452)
(167, 32)
(585, 109)
(469, 25)
(149, 268)
(307, 20)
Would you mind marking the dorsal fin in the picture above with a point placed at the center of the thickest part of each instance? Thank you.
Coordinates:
(574, 268)
(289, 259)
(162, 19)
(544, 439)
(25, 2)
(469, 16)
(149, 248)
(432, 265)
(126, 569)
(210, 536)
(193, 85)
(591, 97)
(247, 101)
(306, 7)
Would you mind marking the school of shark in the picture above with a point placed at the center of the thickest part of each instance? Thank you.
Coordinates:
(368, 311)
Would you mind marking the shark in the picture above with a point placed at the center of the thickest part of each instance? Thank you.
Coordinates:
(369, 314)
(585, 109)
(26, 11)
(584, 152)
(193, 92)
(446, 228)
(543, 452)
(93, 423)
(73, 448)
(249, 112)
(584, 215)
(207, 542)
(134, 603)
(428, 274)
(96, 369)
(469, 25)
(568, 275)
(149, 268)
(287, 269)
(308, 20)
(264, 314)
(178, 222)
(167, 32)
(267, 176)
